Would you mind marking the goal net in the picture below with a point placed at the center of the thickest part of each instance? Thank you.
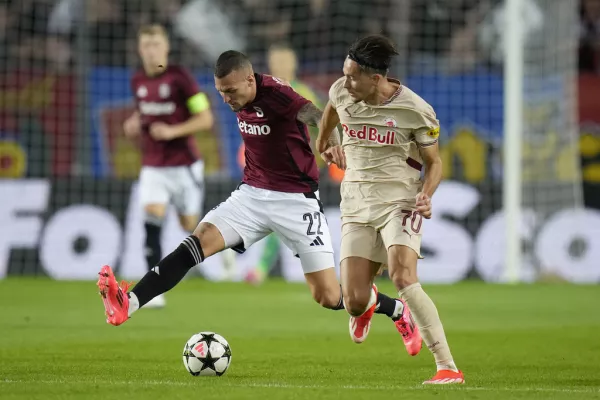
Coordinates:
(69, 199)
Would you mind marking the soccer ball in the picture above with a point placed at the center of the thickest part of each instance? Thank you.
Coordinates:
(206, 354)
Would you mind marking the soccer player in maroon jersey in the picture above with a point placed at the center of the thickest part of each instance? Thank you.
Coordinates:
(170, 109)
(279, 193)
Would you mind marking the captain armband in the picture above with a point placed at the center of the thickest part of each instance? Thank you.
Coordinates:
(198, 103)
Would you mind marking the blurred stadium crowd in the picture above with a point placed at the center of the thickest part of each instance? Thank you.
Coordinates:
(450, 35)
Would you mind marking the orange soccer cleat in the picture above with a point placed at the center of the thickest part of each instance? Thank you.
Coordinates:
(114, 296)
(446, 377)
(359, 326)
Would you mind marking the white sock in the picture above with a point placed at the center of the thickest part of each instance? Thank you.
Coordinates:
(134, 304)
(447, 365)
(372, 299)
(398, 310)
(428, 320)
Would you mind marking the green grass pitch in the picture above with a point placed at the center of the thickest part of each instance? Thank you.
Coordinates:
(512, 342)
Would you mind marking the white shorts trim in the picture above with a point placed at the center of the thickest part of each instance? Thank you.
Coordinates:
(182, 186)
(251, 214)
(316, 261)
(231, 237)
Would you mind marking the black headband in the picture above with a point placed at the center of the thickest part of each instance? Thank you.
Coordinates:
(352, 55)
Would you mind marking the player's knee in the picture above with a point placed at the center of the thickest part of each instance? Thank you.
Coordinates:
(403, 274)
(155, 211)
(356, 301)
(210, 238)
(328, 297)
(402, 282)
(402, 266)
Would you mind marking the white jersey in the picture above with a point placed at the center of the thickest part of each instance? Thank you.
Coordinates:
(382, 143)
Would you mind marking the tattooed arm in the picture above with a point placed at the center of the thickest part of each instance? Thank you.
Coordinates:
(311, 116)
(328, 143)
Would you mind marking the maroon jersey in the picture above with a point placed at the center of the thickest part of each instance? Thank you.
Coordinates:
(278, 153)
(163, 98)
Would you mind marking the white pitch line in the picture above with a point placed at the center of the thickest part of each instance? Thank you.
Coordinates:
(290, 386)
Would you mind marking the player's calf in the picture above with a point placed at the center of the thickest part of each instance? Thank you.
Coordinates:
(402, 268)
(330, 298)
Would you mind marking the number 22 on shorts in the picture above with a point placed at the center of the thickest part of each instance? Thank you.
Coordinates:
(311, 218)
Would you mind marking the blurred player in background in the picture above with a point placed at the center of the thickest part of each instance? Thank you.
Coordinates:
(278, 194)
(283, 64)
(389, 134)
(170, 109)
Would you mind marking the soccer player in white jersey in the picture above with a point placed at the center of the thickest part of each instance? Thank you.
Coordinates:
(279, 193)
(389, 134)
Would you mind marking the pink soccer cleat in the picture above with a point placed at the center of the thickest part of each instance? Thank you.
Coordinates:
(446, 377)
(409, 331)
(359, 326)
(254, 277)
(114, 296)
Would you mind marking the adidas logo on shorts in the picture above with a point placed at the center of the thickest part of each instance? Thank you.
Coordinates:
(317, 242)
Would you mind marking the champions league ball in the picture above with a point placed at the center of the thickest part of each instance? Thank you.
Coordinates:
(206, 354)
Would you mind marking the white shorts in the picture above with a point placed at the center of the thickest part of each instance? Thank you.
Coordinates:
(182, 186)
(250, 214)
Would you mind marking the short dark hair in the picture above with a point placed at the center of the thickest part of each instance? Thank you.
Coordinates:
(230, 61)
(373, 53)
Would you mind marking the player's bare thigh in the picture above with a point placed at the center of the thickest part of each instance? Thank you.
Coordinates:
(210, 237)
(362, 253)
(402, 239)
(357, 276)
(156, 210)
(402, 265)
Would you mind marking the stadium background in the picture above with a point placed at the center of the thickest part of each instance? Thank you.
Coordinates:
(67, 197)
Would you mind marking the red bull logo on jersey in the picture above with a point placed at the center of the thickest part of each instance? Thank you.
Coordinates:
(391, 122)
(252, 129)
(371, 134)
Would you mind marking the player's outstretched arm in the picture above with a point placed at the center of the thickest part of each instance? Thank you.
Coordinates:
(312, 116)
(328, 141)
(433, 177)
(201, 120)
(327, 125)
(132, 125)
(309, 114)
